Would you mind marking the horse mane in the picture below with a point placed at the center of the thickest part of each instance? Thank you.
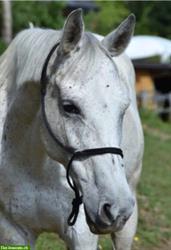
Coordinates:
(24, 58)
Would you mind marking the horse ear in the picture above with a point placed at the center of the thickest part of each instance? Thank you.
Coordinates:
(117, 41)
(72, 31)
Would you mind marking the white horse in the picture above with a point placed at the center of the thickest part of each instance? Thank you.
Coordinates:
(87, 102)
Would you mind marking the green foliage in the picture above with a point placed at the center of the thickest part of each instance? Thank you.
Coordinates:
(43, 14)
(2, 46)
(160, 19)
(153, 17)
(110, 14)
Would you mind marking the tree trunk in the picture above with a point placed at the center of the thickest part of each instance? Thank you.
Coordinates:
(7, 21)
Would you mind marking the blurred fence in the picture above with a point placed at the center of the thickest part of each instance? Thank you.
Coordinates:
(158, 102)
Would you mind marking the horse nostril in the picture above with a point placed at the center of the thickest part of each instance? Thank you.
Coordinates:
(107, 211)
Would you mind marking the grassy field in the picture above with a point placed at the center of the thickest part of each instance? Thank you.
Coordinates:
(154, 193)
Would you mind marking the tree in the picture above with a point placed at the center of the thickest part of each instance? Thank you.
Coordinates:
(40, 13)
(6, 21)
(110, 14)
(152, 17)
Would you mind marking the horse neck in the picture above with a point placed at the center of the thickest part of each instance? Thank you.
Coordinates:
(22, 143)
(20, 140)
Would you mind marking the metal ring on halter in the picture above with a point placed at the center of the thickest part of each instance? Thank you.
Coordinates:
(78, 155)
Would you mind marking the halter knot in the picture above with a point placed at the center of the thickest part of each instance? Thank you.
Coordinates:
(76, 202)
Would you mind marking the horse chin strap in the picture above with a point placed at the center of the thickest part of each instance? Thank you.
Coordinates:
(76, 155)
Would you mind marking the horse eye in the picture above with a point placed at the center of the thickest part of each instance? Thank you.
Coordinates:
(71, 108)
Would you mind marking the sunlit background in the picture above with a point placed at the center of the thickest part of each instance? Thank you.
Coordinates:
(150, 51)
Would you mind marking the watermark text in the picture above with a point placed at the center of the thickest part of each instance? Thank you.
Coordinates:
(10, 247)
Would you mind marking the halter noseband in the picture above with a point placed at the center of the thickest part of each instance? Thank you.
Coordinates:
(76, 155)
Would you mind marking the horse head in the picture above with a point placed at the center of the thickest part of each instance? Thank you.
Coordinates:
(85, 101)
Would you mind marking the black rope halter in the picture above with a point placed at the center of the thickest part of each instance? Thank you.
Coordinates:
(76, 155)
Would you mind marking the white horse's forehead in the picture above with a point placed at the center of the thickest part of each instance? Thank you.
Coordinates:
(91, 70)
(100, 67)
(95, 77)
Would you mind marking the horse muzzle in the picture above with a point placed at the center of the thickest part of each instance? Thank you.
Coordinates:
(109, 219)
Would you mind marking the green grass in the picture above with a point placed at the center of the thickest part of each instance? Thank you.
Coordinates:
(154, 192)
(49, 241)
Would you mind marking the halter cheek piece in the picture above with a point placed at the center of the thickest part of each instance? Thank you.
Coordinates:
(76, 155)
